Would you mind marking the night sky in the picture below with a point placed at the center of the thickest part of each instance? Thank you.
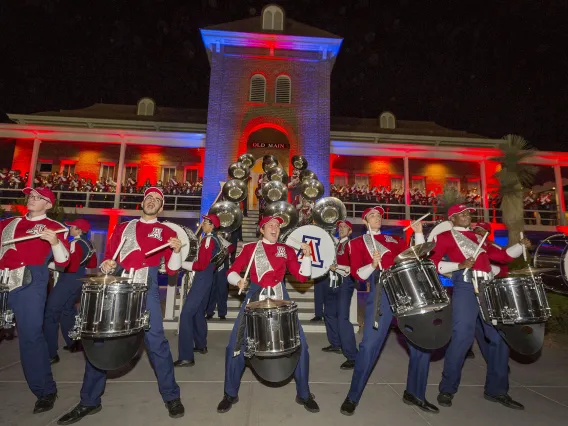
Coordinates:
(488, 67)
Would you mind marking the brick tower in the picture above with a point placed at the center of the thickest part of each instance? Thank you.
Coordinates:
(269, 94)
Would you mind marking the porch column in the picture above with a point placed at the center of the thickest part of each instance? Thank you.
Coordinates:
(33, 162)
(119, 175)
(484, 195)
(406, 189)
(561, 206)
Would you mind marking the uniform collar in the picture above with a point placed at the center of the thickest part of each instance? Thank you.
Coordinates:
(374, 232)
(344, 239)
(37, 218)
(149, 221)
(265, 241)
(461, 228)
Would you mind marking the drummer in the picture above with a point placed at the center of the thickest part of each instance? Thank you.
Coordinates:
(27, 297)
(271, 260)
(368, 257)
(338, 327)
(459, 245)
(60, 305)
(192, 323)
(135, 238)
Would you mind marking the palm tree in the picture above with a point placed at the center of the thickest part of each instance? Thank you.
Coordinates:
(513, 177)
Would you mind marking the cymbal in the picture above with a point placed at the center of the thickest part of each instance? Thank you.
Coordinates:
(419, 250)
(268, 304)
(534, 271)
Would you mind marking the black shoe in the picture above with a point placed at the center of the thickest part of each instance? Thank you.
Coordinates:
(348, 365)
(226, 403)
(184, 363)
(223, 318)
(201, 351)
(424, 405)
(348, 407)
(445, 399)
(333, 349)
(208, 317)
(54, 360)
(316, 319)
(175, 408)
(78, 413)
(309, 403)
(74, 347)
(470, 354)
(506, 400)
(45, 403)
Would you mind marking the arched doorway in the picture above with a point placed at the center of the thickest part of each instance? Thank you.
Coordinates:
(266, 140)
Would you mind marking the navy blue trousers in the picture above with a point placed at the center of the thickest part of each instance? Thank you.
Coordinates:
(319, 296)
(344, 326)
(28, 304)
(330, 303)
(372, 344)
(219, 293)
(235, 365)
(192, 324)
(466, 323)
(60, 308)
(159, 353)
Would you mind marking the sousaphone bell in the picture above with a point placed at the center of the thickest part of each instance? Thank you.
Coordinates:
(307, 174)
(278, 174)
(299, 162)
(230, 215)
(286, 211)
(235, 190)
(328, 211)
(274, 191)
(238, 170)
(311, 189)
(269, 162)
(247, 160)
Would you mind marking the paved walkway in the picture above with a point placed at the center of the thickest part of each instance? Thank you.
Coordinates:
(133, 399)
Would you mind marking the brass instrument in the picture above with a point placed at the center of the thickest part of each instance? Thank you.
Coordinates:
(311, 189)
(284, 210)
(235, 190)
(239, 171)
(274, 191)
(328, 211)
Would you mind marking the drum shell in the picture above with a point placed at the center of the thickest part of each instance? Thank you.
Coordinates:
(517, 300)
(272, 332)
(552, 252)
(112, 310)
(414, 287)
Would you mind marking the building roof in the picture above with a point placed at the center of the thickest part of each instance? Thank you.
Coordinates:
(254, 25)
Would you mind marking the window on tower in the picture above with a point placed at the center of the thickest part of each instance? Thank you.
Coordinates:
(257, 88)
(273, 18)
(283, 90)
(146, 106)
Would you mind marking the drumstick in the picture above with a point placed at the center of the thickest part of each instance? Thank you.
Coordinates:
(374, 245)
(416, 221)
(524, 248)
(249, 265)
(163, 246)
(476, 252)
(30, 237)
(118, 249)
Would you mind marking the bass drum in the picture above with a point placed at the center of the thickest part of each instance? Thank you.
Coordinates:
(552, 252)
(323, 247)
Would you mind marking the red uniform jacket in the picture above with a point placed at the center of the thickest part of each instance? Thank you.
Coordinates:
(280, 256)
(30, 252)
(77, 254)
(148, 236)
(361, 256)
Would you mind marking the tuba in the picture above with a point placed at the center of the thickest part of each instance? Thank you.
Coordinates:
(230, 215)
(247, 160)
(328, 211)
(239, 171)
(278, 174)
(307, 174)
(299, 162)
(269, 162)
(284, 210)
(274, 191)
(311, 189)
(235, 190)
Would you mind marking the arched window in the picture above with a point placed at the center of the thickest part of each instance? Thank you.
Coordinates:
(146, 106)
(387, 121)
(257, 88)
(283, 90)
(273, 18)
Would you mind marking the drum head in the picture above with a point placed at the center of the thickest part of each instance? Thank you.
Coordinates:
(431, 330)
(182, 236)
(114, 353)
(526, 339)
(276, 370)
(323, 248)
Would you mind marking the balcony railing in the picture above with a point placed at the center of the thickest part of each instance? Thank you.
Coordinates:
(105, 200)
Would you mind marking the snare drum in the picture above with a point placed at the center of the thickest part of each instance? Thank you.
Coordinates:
(272, 328)
(111, 307)
(517, 300)
(6, 315)
(414, 287)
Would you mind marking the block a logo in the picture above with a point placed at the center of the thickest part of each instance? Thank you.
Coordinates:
(314, 243)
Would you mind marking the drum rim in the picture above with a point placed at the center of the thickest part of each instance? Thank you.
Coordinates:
(403, 265)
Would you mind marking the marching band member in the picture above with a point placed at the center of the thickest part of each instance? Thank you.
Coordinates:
(366, 256)
(271, 260)
(338, 301)
(140, 236)
(459, 245)
(220, 288)
(60, 305)
(192, 325)
(28, 259)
